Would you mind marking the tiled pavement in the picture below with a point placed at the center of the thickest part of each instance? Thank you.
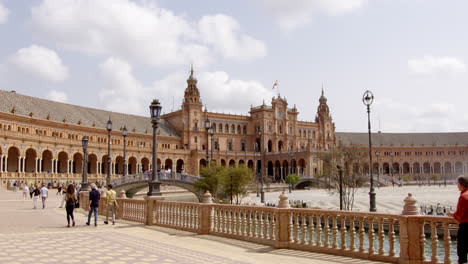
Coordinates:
(40, 236)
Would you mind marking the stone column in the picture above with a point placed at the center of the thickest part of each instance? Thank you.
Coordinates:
(6, 163)
(19, 164)
(40, 164)
(1, 163)
(138, 168)
(205, 214)
(283, 222)
(35, 164)
(411, 230)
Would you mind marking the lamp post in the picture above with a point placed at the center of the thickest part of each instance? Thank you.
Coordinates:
(340, 174)
(377, 154)
(125, 133)
(391, 168)
(262, 192)
(367, 99)
(109, 129)
(211, 131)
(84, 178)
(154, 184)
(207, 128)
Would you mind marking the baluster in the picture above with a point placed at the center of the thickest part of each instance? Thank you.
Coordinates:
(221, 220)
(235, 222)
(225, 220)
(255, 222)
(216, 219)
(266, 225)
(297, 227)
(343, 232)
(381, 236)
(447, 243)
(181, 212)
(242, 223)
(291, 227)
(190, 216)
(335, 231)
(434, 237)
(304, 229)
(250, 223)
(361, 234)
(422, 241)
(260, 224)
(319, 230)
(213, 221)
(274, 231)
(352, 235)
(311, 230)
(326, 232)
(229, 220)
(371, 236)
(391, 232)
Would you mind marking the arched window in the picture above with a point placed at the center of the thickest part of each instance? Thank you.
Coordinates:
(220, 128)
(233, 129)
(214, 127)
(238, 129)
(226, 128)
(245, 129)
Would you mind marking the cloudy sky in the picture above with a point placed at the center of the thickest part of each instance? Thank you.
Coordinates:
(119, 54)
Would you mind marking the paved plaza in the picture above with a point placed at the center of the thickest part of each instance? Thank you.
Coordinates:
(40, 236)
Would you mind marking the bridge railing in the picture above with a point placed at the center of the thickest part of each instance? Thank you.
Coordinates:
(390, 238)
(162, 176)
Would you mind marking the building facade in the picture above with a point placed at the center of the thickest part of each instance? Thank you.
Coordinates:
(40, 140)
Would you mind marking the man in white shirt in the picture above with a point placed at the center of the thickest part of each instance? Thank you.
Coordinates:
(44, 194)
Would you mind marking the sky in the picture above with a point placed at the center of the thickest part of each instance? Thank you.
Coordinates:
(120, 54)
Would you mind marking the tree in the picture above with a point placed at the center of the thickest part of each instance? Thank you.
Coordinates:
(211, 179)
(291, 180)
(351, 158)
(235, 181)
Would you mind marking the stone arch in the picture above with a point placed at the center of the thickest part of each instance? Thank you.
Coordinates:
(119, 165)
(386, 168)
(179, 165)
(223, 162)
(426, 168)
(132, 165)
(416, 168)
(294, 166)
(220, 128)
(30, 165)
(233, 129)
(437, 167)
(239, 129)
(375, 168)
(250, 164)
(270, 168)
(202, 163)
(277, 171)
(302, 166)
(280, 145)
(13, 156)
(145, 164)
(78, 163)
(396, 168)
(62, 165)
(270, 145)
(241, 162)
(232, 163)
(286, 168)
(168, 164)
(406, 168)
(104, 164)
(447, 167)
(46, 161)
(458, 167)
(244, 129)
(92, 163)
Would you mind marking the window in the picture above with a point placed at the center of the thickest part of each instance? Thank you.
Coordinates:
(214, 127)
(226, 128)
(233, 129)
(238, 129)
(243, 146)
(230, 145)
(245, 129)
(196, 140)
(220, 128)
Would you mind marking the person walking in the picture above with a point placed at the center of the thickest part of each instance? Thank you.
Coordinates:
(70, 201)
(461, 215)
(36, 193)
(44, 195)
(64, 196)
(93, 206)
(111, 204)
(31, 190)
(25, 191)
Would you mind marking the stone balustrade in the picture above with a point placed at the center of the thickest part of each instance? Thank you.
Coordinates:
(406, 238)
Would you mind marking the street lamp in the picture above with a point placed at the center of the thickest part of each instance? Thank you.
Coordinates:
(377, 154)
(125, 133)
(109, 129)
(84, 178)
(391, 168)
(340, 174)
(207, 127)
(262, 192)
(367, 99)
(211, 131)
(154, 184)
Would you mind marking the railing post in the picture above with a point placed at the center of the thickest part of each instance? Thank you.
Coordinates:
(283, 222)
(84, 200)
(205, 214)
(411, 233)
(119, 209)
(150, 206)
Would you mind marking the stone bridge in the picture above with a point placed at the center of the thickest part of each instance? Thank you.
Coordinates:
(134, 183)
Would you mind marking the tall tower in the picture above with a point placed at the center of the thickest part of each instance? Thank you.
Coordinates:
(192, 113)
(325, 122)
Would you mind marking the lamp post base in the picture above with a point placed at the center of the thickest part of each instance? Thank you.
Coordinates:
(262, 196)
(84, 186)
(372, 201)
(154, 188)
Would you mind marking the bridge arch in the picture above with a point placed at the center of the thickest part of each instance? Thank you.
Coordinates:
(232, 163)
(30, 165)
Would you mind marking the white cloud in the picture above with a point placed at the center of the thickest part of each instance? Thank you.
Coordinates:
(3, 14)
(123, 92)
(223, 32)
(139, 32)
(40, 62)
(431, 65)
(58, 96)
(295, 13)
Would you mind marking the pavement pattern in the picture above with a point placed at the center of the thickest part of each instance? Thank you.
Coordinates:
(40, 236)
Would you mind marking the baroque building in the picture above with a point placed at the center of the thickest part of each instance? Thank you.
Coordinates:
(40, 140)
